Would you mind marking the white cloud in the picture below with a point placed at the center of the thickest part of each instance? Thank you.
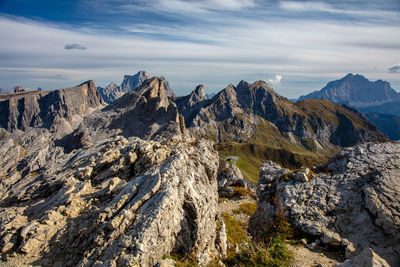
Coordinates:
(395, 68)
(276, 81)
(306, 53)
(201, 6)
(306, 6)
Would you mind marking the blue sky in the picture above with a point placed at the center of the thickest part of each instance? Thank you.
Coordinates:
(297, 46)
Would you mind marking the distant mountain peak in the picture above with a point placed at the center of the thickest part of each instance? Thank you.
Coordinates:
(130, 83)
(356, 90)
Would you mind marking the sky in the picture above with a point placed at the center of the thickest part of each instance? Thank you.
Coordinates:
(296, 46)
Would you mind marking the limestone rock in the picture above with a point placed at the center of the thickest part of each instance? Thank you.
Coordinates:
(130, 189)
(229, 176)
(353, 206)
(367, 258)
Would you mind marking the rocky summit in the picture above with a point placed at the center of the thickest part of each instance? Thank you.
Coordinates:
(350, 203)
(126, 188)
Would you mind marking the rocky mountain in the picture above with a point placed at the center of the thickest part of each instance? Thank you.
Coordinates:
(356, 91)
(130, 83)
(126, 188)
(168, 89)
(59, 111)
(111, 92)
(210, 96)
(256, 114)
(358, 187)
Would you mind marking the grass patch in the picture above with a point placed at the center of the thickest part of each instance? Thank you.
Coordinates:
(234, 230)
(247, 208)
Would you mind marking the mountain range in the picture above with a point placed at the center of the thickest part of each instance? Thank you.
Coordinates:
(138, 182)
(356, 91)
(377, 100)
(256, 122)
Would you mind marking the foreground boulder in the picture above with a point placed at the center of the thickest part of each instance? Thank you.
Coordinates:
(131, 190)
(230, 178)
(354, 205)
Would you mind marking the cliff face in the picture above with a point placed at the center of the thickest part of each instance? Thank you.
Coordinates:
(357, 91)
(52, 110)
(130, 189)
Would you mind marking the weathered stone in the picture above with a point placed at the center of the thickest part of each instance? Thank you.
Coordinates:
(354, 206)
(122, 199)
(367, 258)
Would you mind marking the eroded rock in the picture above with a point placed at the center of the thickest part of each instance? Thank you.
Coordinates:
(355, 206)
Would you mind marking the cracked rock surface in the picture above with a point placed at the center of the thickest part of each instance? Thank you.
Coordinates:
(354, 205)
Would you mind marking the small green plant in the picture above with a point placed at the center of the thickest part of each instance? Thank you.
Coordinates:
(235, 230)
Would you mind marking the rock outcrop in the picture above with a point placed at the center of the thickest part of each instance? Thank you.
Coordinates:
(130, 189)
(230, 177)
(190, 105)
(168, 90)
(357, 91)
(59, 111)
(353, 205)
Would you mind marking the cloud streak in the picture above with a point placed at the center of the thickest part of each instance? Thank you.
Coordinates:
(395, 68)
(74, 46)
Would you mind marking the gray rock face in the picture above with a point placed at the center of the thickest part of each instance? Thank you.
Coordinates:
(131, 189)
(229, 176)
(111, 92)
(59, 111)
(357, 91)
(190, 105)
(131, 82)
(355, 207)
(168, 90)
